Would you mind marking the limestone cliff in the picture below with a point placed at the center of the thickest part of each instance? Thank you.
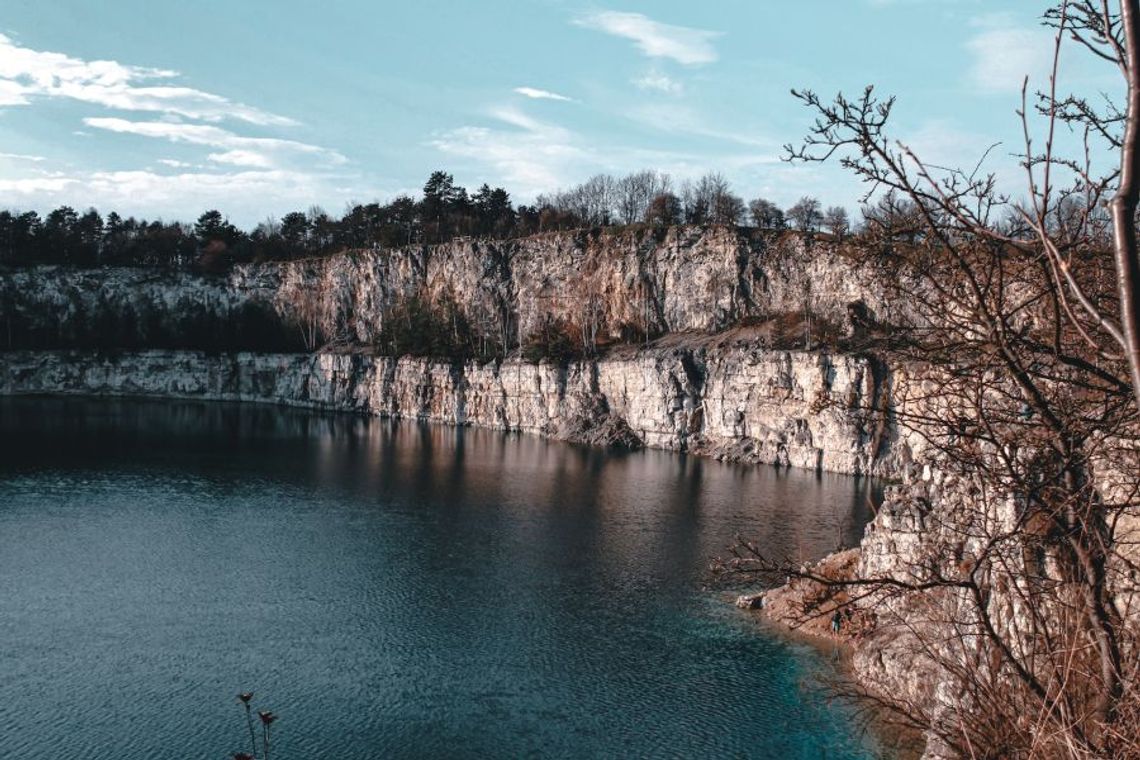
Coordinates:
(703, 384)
(727, 400)
(684, 368)
(619, 284)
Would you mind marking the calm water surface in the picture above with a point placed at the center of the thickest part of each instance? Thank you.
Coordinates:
(389, 591)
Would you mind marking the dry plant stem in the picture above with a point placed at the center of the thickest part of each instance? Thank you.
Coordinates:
(252, 735)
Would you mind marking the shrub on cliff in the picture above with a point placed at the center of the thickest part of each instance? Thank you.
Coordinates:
(554, 339)
(416, 326)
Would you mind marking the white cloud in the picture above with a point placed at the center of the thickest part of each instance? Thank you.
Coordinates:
(246, 175)
(242, 158)
(21, 157)
(938, 142)
(33, 185)
(532, 157)
(889, 3)
(517, 118)
(677, 118)
(239, 150)
(1004, 56)
(26, 74)
(12, 94)
(245, 196)
(537, 94)
(656, 40)
(659, 82)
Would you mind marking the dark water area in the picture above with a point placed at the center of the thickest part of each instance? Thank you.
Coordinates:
(390, 590)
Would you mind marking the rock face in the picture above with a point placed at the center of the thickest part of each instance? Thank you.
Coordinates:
(699, 388)
(617, 283)
(730, 401)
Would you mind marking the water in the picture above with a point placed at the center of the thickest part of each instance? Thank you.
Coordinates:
(389, 591)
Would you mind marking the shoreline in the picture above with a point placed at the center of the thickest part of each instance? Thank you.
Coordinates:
(809, 608)
(780, 614)
(745, 405)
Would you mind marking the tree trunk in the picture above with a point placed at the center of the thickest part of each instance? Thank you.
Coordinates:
(1126, 250)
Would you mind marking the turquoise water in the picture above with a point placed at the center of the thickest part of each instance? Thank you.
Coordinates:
(389, 591)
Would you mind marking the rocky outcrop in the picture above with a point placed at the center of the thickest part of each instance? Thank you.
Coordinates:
(727, 400)
(702, 387)
(901, 640)
(616, 284)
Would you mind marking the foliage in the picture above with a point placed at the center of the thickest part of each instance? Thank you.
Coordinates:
(444, 212)
(142, 324)
(417, 326)
(554, 339)
(664, 210)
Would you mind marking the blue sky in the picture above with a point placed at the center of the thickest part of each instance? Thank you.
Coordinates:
(258, 107)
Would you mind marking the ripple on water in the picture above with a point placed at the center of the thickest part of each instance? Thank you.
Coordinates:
(395, 591)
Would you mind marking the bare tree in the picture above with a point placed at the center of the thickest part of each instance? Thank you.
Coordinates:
(894, 218)
(1114, 38)
(805, 214)
(593, 202)
(766, 214)
(1017, 378)
(636, 191)
(307, 312)
(727, 208)
(587, 296)
(835, 221)
(710, 200)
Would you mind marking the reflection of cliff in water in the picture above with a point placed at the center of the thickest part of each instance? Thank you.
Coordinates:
(795, 513)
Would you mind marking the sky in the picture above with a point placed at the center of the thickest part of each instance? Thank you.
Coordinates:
(260, 107)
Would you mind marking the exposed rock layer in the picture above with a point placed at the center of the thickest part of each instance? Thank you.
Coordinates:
(731, 401)
(616, 284)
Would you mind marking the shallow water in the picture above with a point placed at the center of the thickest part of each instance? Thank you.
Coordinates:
(389, 591)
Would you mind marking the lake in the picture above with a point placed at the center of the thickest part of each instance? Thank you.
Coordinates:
(390, 590)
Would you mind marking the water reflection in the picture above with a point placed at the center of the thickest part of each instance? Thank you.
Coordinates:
(393, 589)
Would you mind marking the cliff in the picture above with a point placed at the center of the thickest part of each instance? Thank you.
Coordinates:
(723, 399)
(615, 285)
(694, 324)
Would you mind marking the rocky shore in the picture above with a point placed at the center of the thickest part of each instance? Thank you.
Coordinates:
(726, 400)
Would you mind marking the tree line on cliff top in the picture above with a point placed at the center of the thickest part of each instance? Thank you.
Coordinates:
(444, 211)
